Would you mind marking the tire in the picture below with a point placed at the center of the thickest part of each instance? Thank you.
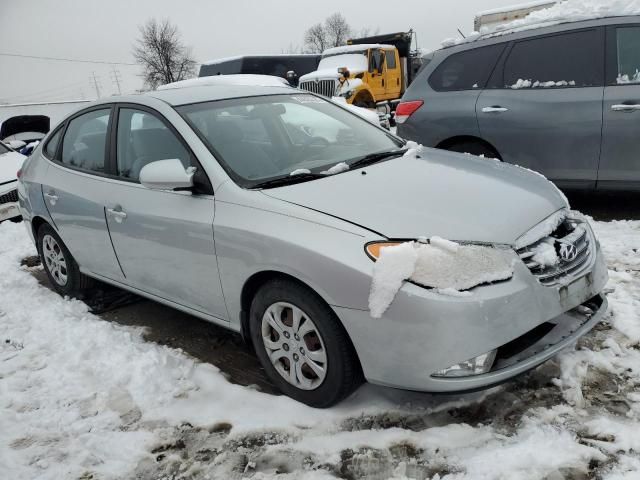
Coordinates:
(474, 148)
(364, 101)
(342, 373)
(66, 279)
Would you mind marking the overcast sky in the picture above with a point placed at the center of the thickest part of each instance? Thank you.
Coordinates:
(105, 30)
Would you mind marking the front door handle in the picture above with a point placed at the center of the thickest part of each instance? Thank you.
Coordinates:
(52, 197)
(625, 107)
(494, 109)
(116, 213)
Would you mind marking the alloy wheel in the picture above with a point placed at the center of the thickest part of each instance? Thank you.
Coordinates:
(294, 346)
(54, 260)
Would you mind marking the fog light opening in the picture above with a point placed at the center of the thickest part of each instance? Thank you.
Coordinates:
(476, 366)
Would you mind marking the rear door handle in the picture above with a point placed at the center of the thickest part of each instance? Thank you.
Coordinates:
(51, 196)
(116, 213)
(625, 107)
(494, 110)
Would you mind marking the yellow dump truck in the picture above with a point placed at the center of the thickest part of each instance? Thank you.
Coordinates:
(368, 72)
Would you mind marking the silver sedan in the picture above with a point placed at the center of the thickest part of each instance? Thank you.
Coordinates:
(272, 212)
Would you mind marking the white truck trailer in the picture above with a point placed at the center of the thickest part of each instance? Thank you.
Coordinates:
(491, 18)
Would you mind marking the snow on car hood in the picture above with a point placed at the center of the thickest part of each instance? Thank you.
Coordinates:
(10, 163)
(459, 197)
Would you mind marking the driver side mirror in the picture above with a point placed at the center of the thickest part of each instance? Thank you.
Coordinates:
(167, 175)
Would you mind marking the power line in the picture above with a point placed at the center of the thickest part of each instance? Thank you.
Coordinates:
(57, 59)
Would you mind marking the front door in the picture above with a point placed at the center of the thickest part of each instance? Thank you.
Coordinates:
(544, 111)
(163, 239)
(620, 158)
(376, 73)
(76, 188)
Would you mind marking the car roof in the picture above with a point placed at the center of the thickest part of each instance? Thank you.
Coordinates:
(208, 93)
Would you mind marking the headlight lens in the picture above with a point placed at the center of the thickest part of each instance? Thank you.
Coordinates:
(476, 366)
(373, 249)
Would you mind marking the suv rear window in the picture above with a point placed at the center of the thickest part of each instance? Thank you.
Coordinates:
(567, 60)
(466, 70)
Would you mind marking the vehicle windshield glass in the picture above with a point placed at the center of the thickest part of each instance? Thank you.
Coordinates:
(3, 149)
(262, 138)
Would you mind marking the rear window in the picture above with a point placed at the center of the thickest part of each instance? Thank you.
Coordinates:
(466, 70)
(51, 147)
(559, 61)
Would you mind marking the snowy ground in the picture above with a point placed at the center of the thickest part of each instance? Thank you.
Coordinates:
(84, 398)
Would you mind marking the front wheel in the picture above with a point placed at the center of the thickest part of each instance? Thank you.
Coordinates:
(301, 345)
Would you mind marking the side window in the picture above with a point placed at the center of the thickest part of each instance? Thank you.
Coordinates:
(85, 140)
(143, 138)
(391, 58)
(51, 147)
(376, 61)
(566, 60)
(628, 50)
(466, 70)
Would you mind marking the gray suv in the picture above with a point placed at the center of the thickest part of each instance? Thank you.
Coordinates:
(563, 100)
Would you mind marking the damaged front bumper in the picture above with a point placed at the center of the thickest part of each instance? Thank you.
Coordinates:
(525, 322)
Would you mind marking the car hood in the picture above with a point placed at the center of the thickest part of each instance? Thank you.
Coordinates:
(10, 163)
(454, 196)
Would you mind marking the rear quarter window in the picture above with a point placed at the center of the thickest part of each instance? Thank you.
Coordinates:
(467, 70)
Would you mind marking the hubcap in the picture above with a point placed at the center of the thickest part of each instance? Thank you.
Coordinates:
(294, 346)
(54, 260)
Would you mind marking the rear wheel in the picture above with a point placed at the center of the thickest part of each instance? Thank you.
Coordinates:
(59, 265)
(474, 148)
(301, 345)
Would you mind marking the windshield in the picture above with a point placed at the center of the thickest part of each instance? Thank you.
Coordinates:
(3, 149)
(355, 62)
(263, 138)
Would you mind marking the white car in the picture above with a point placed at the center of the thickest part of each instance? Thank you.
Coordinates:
(10, 163)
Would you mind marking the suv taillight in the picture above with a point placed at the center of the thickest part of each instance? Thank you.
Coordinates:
(406, 109)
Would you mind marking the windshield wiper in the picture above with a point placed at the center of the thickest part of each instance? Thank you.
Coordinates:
(288, 180)
(377, 157)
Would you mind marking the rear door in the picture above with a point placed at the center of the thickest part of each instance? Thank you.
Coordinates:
(620, 158)
(163, 239)
(543, 107)
(77, 187)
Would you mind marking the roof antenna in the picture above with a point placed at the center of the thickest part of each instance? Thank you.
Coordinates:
(461, 34)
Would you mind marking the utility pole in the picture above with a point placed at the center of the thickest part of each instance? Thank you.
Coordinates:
(117, 79)
(95, 84)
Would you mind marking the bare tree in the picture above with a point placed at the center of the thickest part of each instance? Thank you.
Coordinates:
(315, 39)
(337, 30)
(334, 32)
(163, 56)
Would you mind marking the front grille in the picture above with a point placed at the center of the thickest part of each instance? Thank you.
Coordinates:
(323, 87)
(570, 233)
(8, 197)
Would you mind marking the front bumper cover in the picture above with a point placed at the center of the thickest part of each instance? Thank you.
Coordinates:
(424, 332)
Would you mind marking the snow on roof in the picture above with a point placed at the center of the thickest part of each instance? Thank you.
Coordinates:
(570, 11)
(240, 79)
(217, 61)
(511, 8)
(565, 11)
(354, 48)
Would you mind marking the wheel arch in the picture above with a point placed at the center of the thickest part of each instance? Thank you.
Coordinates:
(256, 281)
(36, 223)
(451, 141)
